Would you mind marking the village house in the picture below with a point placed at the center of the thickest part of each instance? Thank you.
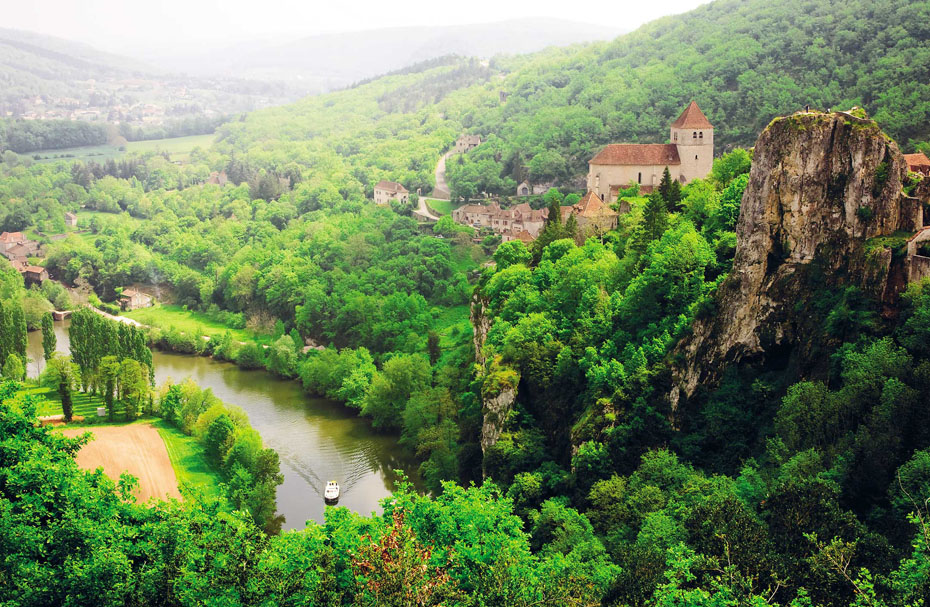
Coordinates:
(386, 191)
(70, 219)
(133, 300)
(523, 236)
(18, 244)
(513, 220)
(10, 239)
(466, 143)
(34, 275)
(918, 163)
(592, 214)
(19, 264)
(690, 155)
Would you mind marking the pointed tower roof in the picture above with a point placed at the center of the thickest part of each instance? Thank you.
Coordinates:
(692, 118)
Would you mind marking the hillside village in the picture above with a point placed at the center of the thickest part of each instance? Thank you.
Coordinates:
(689, 155)
(618, 166)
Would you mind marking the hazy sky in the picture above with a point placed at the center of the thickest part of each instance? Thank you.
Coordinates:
(181, 25)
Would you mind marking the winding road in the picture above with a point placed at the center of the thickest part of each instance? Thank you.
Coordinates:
(440, 192)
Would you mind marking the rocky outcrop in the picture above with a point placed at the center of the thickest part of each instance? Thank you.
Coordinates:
(821, 186)
(498, 382)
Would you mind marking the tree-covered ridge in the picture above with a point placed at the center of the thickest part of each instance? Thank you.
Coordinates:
(743, 61)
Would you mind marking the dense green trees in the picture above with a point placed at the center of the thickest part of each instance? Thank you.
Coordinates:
(464, 546)
(93, 337)
(22, 136)
(252, 471)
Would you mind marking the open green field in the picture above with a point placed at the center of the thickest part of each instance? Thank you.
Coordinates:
(443, 207)
(189, 461)
(165, 316)
(178, 148)
(85, 405)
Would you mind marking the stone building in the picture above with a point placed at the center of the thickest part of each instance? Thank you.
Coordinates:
(133, 300)
(386, 191)
(514, 220)
(592, 214)
(466, 143)
(918, 163)
(689, 155)
(70, 219)
(34, 275)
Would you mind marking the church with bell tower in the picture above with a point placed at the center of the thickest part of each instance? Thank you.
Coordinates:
(688, 155)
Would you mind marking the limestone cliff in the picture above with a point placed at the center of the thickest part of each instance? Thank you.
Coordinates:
(821, 186)
(498, 382)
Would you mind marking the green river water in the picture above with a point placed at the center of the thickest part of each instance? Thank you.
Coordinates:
(318, 440)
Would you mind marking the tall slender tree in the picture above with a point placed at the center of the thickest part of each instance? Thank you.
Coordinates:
(49, 341)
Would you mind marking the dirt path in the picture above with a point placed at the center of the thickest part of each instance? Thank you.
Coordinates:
(137, 449)
(122, 319)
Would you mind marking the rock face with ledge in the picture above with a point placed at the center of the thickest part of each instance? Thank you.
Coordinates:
(820, 187)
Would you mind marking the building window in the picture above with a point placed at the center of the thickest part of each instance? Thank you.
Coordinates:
(639, 179)
(676, 136)
(701, 135)
(694, 135)
(695, 156)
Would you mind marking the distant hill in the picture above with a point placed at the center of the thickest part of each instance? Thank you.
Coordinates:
(743, 61)
(35, 64)
(329, 61)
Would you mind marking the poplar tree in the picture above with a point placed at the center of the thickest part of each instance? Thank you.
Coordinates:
(49, 341)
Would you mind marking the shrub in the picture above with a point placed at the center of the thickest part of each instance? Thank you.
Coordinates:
(251, 356)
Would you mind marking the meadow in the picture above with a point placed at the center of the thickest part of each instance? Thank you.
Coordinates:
(166, 316)
(178, 149)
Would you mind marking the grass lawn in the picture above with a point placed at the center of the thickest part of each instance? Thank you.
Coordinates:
(84, 404)
(178, 149)
(443, 207)
(165, 316)
(189, 461)
(98, 153)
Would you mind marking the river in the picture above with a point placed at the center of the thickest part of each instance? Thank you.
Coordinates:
(318, 440)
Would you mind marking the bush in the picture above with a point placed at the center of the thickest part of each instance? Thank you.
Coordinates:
(251, 356)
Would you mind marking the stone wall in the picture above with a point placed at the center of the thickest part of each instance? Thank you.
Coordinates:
(918, 268)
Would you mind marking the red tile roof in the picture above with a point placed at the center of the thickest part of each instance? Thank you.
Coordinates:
(917, 160)
(390, 186)
(592, 206)
(12, 237)
(645, 154)
(692, 118)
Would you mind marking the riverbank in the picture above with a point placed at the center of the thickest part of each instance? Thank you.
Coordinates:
(316, 439)
(188, 462)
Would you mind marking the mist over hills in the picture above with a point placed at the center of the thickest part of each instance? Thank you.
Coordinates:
(329, 61)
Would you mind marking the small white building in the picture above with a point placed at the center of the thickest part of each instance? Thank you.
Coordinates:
(386, 191)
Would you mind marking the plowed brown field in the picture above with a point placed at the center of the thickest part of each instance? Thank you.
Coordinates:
(137, 449)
